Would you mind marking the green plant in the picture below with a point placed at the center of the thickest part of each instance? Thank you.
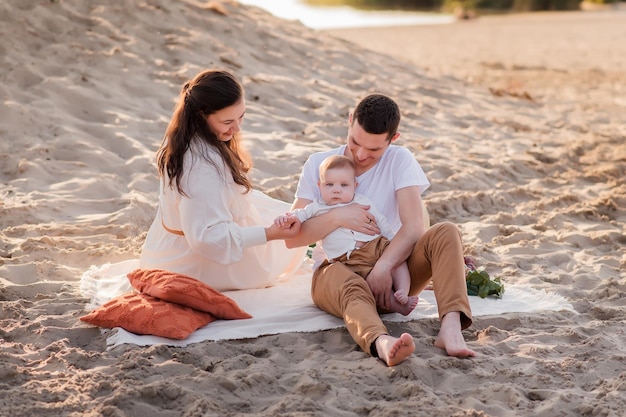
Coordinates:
(309, 251)
(478, 281)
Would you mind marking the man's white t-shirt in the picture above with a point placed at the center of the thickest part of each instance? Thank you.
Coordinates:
(396, 169)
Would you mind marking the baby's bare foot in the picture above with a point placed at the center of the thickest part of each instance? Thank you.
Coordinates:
(404, 309)
(401, 296)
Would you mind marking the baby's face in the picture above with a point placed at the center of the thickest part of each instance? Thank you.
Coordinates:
(337, 185)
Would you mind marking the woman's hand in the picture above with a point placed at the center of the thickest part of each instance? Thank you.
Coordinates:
(287, 229)
(285, 220)
(358, 218)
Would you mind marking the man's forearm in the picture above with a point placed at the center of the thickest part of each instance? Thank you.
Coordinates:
(399, 248)
(410, 232)
(312, 230)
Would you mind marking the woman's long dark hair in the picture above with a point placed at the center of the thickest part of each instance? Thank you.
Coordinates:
(205, 94)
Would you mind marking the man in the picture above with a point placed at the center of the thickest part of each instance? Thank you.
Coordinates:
(391, 177)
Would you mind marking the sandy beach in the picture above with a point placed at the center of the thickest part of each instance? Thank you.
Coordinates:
(518, 121)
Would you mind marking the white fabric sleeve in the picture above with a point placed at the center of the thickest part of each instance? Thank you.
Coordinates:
(307, 212)
(307, 184)
(407, 171)
(253, 236)
(206, 218)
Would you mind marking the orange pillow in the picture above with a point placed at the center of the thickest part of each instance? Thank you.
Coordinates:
(187, 291)
(143, 314)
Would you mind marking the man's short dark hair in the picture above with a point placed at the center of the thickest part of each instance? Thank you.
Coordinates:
(376, 114)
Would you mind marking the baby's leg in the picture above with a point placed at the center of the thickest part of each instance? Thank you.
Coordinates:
(400, 301)
(404, 309)
(401, 283)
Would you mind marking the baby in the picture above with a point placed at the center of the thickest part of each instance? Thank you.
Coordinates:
(337, 184)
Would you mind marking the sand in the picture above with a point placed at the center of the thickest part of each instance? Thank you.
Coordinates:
(517, 120)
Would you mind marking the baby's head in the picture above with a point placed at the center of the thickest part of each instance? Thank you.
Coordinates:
(337, 181)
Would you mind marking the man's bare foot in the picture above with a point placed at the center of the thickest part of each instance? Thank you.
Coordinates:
(401, 296)
(393, 350)
(450, 337)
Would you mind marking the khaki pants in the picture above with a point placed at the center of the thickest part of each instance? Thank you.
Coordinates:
(342, 292)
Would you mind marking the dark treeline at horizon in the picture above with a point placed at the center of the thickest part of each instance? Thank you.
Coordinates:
(432, 5)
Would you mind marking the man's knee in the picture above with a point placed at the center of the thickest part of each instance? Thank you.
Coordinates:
(445, 230)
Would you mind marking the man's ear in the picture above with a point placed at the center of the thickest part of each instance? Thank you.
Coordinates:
(394, 137)
(350, 119)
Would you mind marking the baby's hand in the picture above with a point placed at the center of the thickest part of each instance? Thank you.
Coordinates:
(280, 220)
(285, 220)
(287, 231)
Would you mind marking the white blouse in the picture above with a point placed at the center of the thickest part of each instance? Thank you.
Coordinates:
(223, 239)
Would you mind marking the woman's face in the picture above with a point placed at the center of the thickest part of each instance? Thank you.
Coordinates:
(226, 122)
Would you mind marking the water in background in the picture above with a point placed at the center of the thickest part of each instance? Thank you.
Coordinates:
(318, 17)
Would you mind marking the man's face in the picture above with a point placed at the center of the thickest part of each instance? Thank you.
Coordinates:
(364, 148)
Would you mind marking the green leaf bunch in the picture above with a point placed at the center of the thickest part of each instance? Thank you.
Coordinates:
(479, 283)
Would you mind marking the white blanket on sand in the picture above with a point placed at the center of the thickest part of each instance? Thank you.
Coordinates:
(287, 307)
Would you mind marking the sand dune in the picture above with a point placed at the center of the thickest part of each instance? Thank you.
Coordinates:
(518, 122)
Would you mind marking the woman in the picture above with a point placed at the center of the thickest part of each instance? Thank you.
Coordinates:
(209, 220)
